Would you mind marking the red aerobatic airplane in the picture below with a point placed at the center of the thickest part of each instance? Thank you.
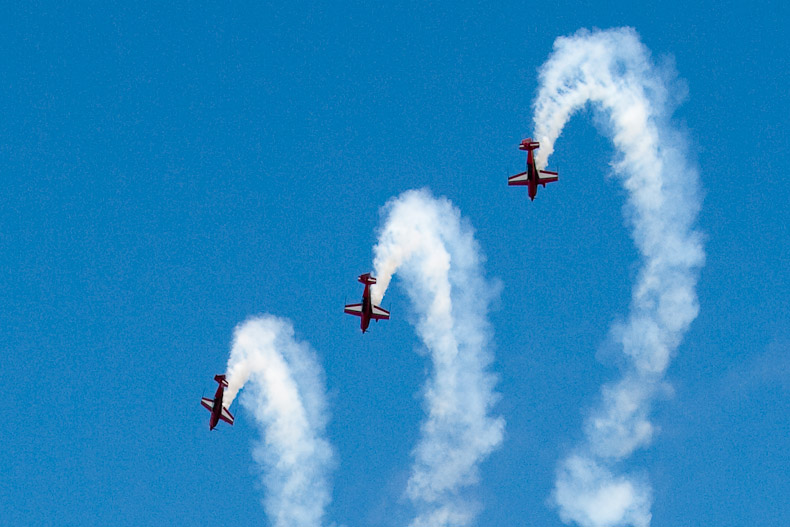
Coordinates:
(532, 177)
(215, 406)
(367, 310)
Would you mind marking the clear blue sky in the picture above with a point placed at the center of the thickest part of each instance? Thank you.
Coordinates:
(169, 171)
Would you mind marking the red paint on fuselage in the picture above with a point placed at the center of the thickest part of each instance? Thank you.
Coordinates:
(532, 172)
(216, 410)
(367, 305)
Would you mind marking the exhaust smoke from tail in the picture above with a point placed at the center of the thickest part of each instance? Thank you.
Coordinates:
(433, 250)
(613, 71)
(284, 390)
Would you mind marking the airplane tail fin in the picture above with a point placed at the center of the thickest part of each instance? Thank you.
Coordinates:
(528, 144)
(221, 379)
(366, 279)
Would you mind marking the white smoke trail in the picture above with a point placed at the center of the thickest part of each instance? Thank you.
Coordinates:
(613, 71)
(435, 252)
(284, 389)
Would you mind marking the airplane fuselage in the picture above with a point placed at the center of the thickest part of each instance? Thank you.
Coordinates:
(367, 309)
(216, 411)
(532, 176)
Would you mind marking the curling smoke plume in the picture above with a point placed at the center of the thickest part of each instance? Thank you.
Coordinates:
(434, 252)
(613, 72)
(284, 390)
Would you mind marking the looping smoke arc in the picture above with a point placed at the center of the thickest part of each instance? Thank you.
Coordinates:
(284, 390)
(613, 71)
(434, 252)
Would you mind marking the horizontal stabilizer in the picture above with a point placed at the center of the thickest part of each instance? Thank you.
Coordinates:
(366, 279)
(528, 144)
(353, 309)
(226, 416)
(518, 180)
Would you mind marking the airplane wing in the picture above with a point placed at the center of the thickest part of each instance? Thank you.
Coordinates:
(353, 309)
(546, 176)
(207, 403)
(518, 179)
(380, 314)
(226, 416)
